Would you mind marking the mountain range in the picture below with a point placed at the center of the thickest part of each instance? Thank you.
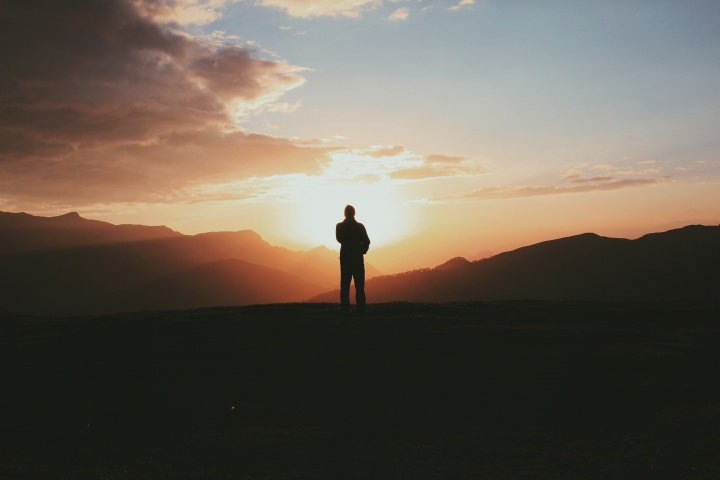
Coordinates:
(69, 265)
(681, 265)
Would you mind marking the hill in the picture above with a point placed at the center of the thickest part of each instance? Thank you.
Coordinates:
(219, 283)
(679, 265)
(503, 390)
(70, 265)
(22, 232)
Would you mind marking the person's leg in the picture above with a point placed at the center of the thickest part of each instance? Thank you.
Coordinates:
(345, 278)
(359, 275)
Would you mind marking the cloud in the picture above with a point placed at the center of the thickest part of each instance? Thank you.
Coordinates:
(462, 4)
(424, 172)
(575, 176)
(584, 187)
(232, 74)
(401, 13)
(319, 8)
(184, 12)
(162, 171)
(101, 101)
(446, 159)
(578, 176)
(390, 151)
(433, 166)
(605, 167)
(349, 8)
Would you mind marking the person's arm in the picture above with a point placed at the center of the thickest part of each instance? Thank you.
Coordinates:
(365, 240)
(338, 233)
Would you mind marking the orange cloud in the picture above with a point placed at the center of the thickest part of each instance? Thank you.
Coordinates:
(184, 12)
(161, 171)
(109, 101)
(517, 192)
(446, 159)
(434, 166)
(577, 177)
(318, 8)
(388, 151)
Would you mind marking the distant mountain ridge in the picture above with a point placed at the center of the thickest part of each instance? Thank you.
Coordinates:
(22, 232)
(69, 265)
(218, 283)
(680, 265)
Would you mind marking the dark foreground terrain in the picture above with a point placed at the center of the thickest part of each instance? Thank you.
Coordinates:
(510, 390)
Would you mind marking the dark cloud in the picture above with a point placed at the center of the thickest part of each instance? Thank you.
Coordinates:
(101, 94)
(149, 173)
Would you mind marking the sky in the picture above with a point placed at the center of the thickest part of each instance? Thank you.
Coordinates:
(455, 128)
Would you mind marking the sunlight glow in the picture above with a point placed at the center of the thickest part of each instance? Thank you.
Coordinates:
(322, 205)
(355, 179)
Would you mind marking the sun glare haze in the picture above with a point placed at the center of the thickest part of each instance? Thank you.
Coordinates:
(317, 202)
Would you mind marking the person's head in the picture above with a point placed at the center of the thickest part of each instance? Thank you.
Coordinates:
(349, 211)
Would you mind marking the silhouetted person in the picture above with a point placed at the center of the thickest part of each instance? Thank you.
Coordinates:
(354, 243)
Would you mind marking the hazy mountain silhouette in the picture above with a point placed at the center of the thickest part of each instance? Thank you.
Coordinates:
(678, 265)
(22, 232)
(481, 255)
(220, 283)
(71, 265)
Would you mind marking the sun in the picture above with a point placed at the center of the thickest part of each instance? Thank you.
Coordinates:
(320, 205)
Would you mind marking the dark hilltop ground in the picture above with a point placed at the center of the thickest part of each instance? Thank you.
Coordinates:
(500, 390)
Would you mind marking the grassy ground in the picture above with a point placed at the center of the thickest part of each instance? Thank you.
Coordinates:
(509, 390)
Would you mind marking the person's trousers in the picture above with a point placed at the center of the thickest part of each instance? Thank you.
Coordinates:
(349, 270)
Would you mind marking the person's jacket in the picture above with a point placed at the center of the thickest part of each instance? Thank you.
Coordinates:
(353, 238)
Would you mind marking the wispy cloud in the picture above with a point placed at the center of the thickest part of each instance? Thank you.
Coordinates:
(434, 166)
(462, 4)
(400, 14)
(353, 8)
(395, 163)
(577, 177)
(605, 167)
(389, 151)
(184, 12)
(292, 30)
(579, 183)
(446, 159)
(319, 8)
(516, 192)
